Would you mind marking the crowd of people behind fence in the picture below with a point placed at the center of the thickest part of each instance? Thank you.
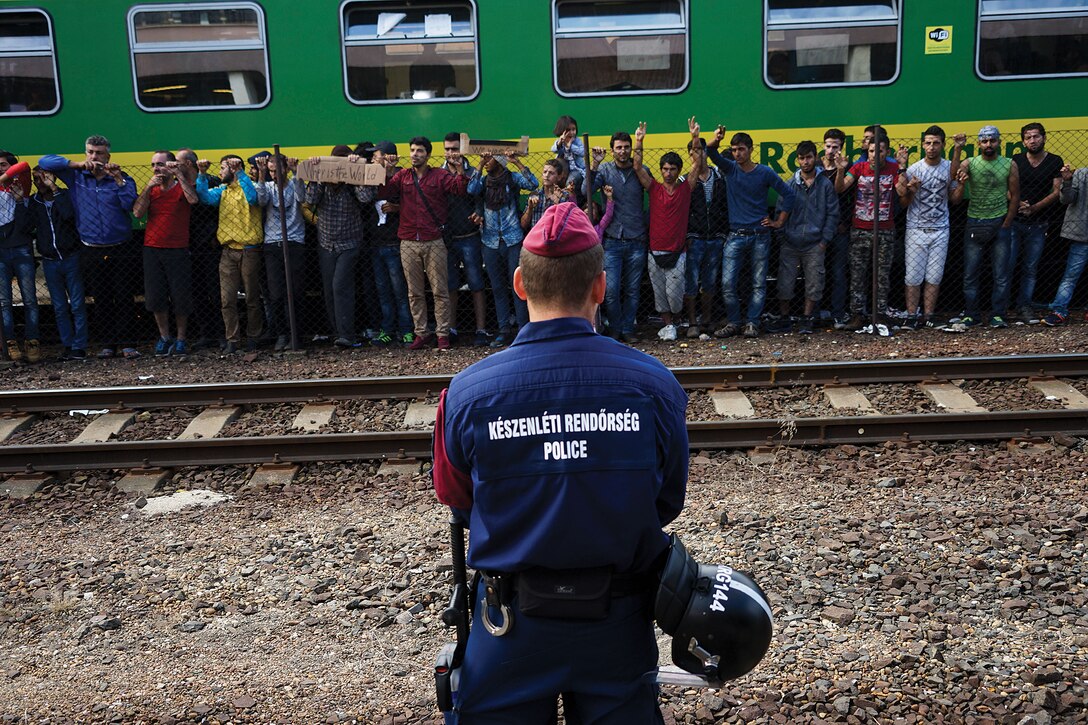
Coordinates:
(214, 236)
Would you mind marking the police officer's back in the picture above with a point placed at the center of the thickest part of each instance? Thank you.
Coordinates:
(565, 455)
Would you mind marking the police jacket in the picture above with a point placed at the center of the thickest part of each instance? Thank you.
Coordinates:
(54, 226)
(709, 221)
(567, 450)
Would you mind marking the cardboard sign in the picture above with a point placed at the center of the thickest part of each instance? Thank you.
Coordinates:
(479, 147)
(338, 170)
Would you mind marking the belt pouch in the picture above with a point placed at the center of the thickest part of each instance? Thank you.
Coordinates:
(565, 593)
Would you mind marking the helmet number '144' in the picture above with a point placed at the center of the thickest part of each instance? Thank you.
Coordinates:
(724, 576)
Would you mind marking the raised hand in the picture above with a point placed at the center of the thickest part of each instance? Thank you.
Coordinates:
(640, 132)
(719, 133)
(959, 140)
(202, 165)
(693, 126)
(598, 154)
(902, 155)
(607, 189)
(1067, 173)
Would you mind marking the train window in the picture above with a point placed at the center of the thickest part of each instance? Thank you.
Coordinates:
(28, 64)
(620, 47)
(199, 56)
(410, 51)
(821, 43)
(1032, 39)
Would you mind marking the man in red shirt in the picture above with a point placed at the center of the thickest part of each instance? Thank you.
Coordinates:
(670, 202)
(168, 270)
(422, 192)
(870, 191)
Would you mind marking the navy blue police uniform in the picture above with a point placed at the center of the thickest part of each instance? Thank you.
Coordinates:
(567, 451)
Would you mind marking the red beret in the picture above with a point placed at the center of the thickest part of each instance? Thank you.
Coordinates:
(562, 231)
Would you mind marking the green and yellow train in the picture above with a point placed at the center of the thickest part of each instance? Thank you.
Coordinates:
(242, 75)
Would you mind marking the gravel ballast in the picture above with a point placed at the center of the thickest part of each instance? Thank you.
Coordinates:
(940, 583)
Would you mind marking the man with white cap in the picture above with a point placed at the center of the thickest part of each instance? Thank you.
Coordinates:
(565, 455)
(995, 198)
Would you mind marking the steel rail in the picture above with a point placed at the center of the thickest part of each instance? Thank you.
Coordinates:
(858, 372)
(377, 446)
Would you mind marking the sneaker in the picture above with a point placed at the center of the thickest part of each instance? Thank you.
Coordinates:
(408, 338)
(77, 353)
(130, 353)
(777, 323)
(343, 342)
(251, 344)
(840, 322)
(965, 320)
(629, 337)
(444, 342)
(282, 343)
(502, 339)
(370, 333)
(751, 330)
(482, 339)
(998, 322)
(33, 351)
(912, 322)
(163, 347)
(319, 338)
(14, 353)
(728, 330)
(693, 332)
(667, 333)
(382, 338)
(230, 348)
(181, 347)
(1028, 316)
(804, 325)
(1054, 319)
(421, 342)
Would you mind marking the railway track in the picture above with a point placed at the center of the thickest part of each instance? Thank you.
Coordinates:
(729, 386)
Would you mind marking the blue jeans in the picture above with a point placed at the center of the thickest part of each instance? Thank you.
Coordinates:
(18, 263)
(838, 262)
(978, 234)
(624, 262)
(704, 266)
(756, 248)
(1032, 236)
(467, 252)
(500, 264)
(1074, 265)
(65, 285)
(392, 289)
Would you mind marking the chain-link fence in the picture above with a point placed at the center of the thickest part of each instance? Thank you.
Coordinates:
(101, 275)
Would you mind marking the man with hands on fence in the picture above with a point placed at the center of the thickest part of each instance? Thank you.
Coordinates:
(241, 237)
(168, 270)
(103, 197)
(924, 188)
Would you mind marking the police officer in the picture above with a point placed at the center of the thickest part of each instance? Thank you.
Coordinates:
(565, 455)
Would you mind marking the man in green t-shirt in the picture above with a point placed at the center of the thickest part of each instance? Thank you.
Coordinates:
(994, 188)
